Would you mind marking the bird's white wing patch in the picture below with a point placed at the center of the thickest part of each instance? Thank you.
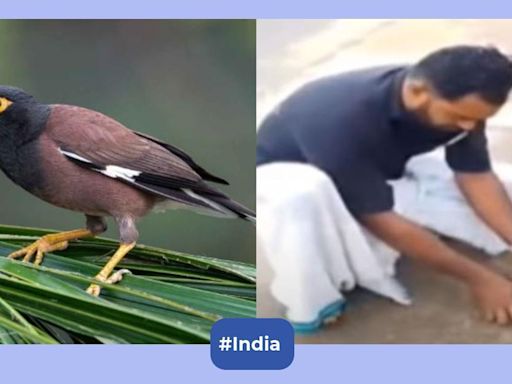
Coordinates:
(115, 171)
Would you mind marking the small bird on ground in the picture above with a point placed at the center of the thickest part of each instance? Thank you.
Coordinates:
(84, 161)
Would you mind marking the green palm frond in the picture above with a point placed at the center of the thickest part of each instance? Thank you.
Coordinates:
(171, 297)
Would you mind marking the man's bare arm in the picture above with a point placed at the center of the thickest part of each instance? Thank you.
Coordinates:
(488, 198)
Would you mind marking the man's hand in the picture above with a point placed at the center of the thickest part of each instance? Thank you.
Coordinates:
(494, 297)
(492, 291)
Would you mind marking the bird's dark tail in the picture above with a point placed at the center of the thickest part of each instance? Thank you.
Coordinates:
(237, 208)
(218, 203)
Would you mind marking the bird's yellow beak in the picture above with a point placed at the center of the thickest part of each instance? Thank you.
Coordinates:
(4, 104)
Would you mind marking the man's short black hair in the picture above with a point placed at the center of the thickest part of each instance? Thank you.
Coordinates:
(455, 72)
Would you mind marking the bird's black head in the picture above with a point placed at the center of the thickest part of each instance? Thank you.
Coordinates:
(21, 114)
(14, 94)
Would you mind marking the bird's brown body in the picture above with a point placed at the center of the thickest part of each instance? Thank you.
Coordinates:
(68, 185)
(84, 161)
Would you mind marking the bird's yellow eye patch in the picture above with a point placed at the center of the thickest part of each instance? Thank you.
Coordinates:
(4, 104)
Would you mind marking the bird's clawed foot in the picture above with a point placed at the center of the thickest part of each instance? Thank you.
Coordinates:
(95, 289)
(103, 275)
(39, 248)
(59, 242)
(48, 243)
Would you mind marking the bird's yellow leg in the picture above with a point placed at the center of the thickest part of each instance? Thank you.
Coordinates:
(104, 274)
(49, 243)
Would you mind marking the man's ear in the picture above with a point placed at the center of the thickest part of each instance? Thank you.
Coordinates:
(419, 93)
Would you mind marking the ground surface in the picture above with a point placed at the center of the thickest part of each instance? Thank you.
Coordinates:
(442, 311)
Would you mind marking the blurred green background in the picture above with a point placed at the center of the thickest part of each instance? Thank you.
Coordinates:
(190, 82)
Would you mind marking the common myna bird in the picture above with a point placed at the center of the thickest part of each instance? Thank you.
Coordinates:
(84, 161)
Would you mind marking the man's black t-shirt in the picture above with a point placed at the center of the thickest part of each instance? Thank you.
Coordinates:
(354, 127)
